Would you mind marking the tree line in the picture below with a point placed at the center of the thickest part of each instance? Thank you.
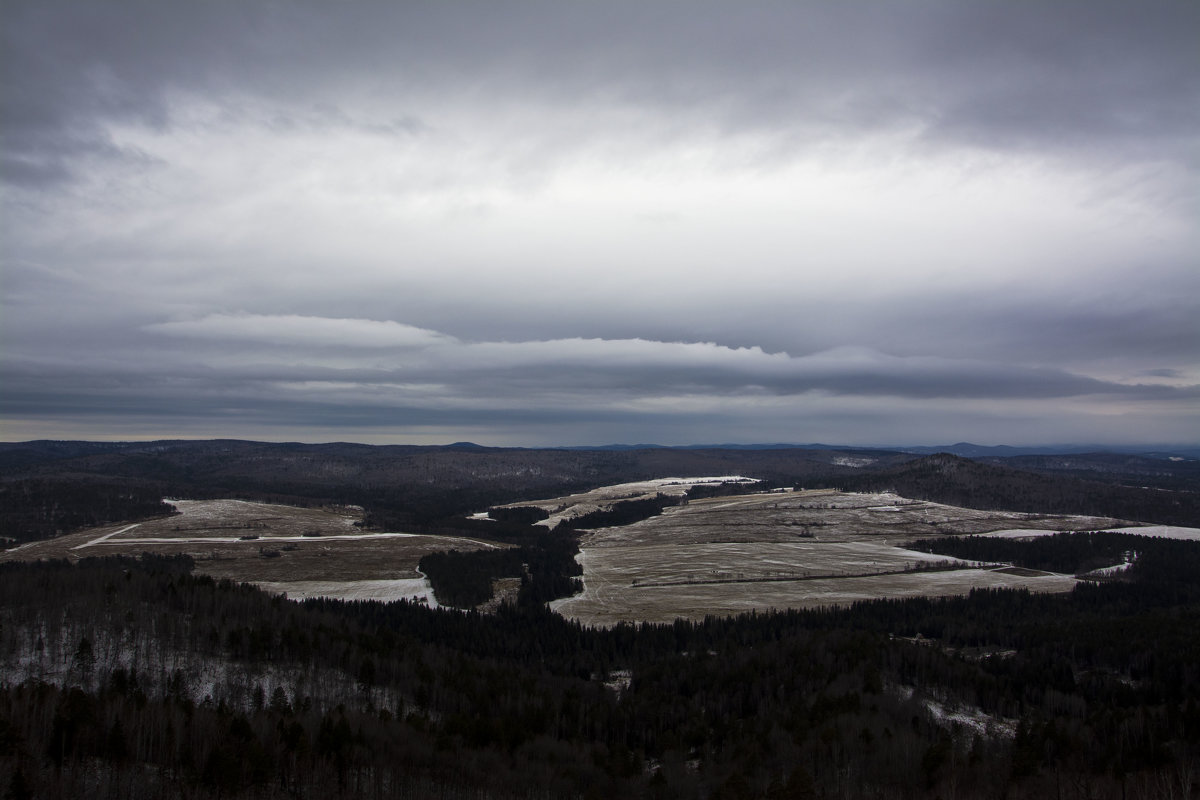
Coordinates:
(137, 678)
(42, 508)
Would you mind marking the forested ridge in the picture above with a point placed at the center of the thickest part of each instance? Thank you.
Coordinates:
(47, 488)
(134, 678)
(43, 508)
(399, 486)
(958, 481)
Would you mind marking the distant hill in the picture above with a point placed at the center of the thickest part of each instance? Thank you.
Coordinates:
(951, 479)
(1172, 472)
(970, 450)
(47, 487)
(285, 467)
(966, 449)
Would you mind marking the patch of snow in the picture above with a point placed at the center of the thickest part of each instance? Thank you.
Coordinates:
(576, 505)
(957, 715)
(618, 681)
(1115, 569)
(973, 720)
(23, 546)
(852, 461)
(385, 591)
(1019, 533)
(105, 537)
(1163, 532)
(1156, 531)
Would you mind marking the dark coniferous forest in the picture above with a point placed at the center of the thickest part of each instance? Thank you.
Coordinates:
(179, 685)
(137, 678)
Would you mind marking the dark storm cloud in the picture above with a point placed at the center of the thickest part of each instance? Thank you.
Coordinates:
(1089, 78)
(1163, 372)
(608, 217)
(393, 366)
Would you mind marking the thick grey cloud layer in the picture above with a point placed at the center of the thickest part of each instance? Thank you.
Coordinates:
(538, 222)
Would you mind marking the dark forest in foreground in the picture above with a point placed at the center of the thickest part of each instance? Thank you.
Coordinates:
(1092, 694)
(134, 678)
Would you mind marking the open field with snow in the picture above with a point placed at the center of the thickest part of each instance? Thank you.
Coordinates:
(721, 555)
(304, 552)
(384, 591)
(576, 505)
(1157, 531)
(798, 549)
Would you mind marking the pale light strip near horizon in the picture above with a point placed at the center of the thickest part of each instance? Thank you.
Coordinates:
(534, 223)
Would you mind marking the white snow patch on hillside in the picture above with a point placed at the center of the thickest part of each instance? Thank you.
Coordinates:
(1105, 572)
(605, 497)
(1019, 533)
(385, 591)
(972, 720)
(1163, 532)
(1156, 531)
(966, 719)
(852, 461)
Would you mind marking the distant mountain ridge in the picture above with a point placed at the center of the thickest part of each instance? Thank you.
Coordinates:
(47, 487)
(965, 449)
(960, 481)
(70, 448)
(969, 450)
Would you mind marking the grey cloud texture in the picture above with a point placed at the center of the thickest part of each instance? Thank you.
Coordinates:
(661, 221)
(293, 329)
(1076, 76)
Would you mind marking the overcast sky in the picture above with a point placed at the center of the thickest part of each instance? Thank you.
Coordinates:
(533, 223)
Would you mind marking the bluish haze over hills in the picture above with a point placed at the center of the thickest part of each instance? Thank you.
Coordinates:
(535, 223)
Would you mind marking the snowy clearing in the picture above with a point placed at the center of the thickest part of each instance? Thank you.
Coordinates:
(962, 719)
(606, 604)
(384, 591)
(1163, 532)
(798, 549)
(1108, 572)
(304, 552)
(576, 505)
(1157, 531)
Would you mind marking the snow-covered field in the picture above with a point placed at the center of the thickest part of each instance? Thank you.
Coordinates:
(797, 549)
(416, 589)
(1157, 531)
(1018, 533)
(720, 555)
(303, 552)
(576, 505)
(606, 604)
